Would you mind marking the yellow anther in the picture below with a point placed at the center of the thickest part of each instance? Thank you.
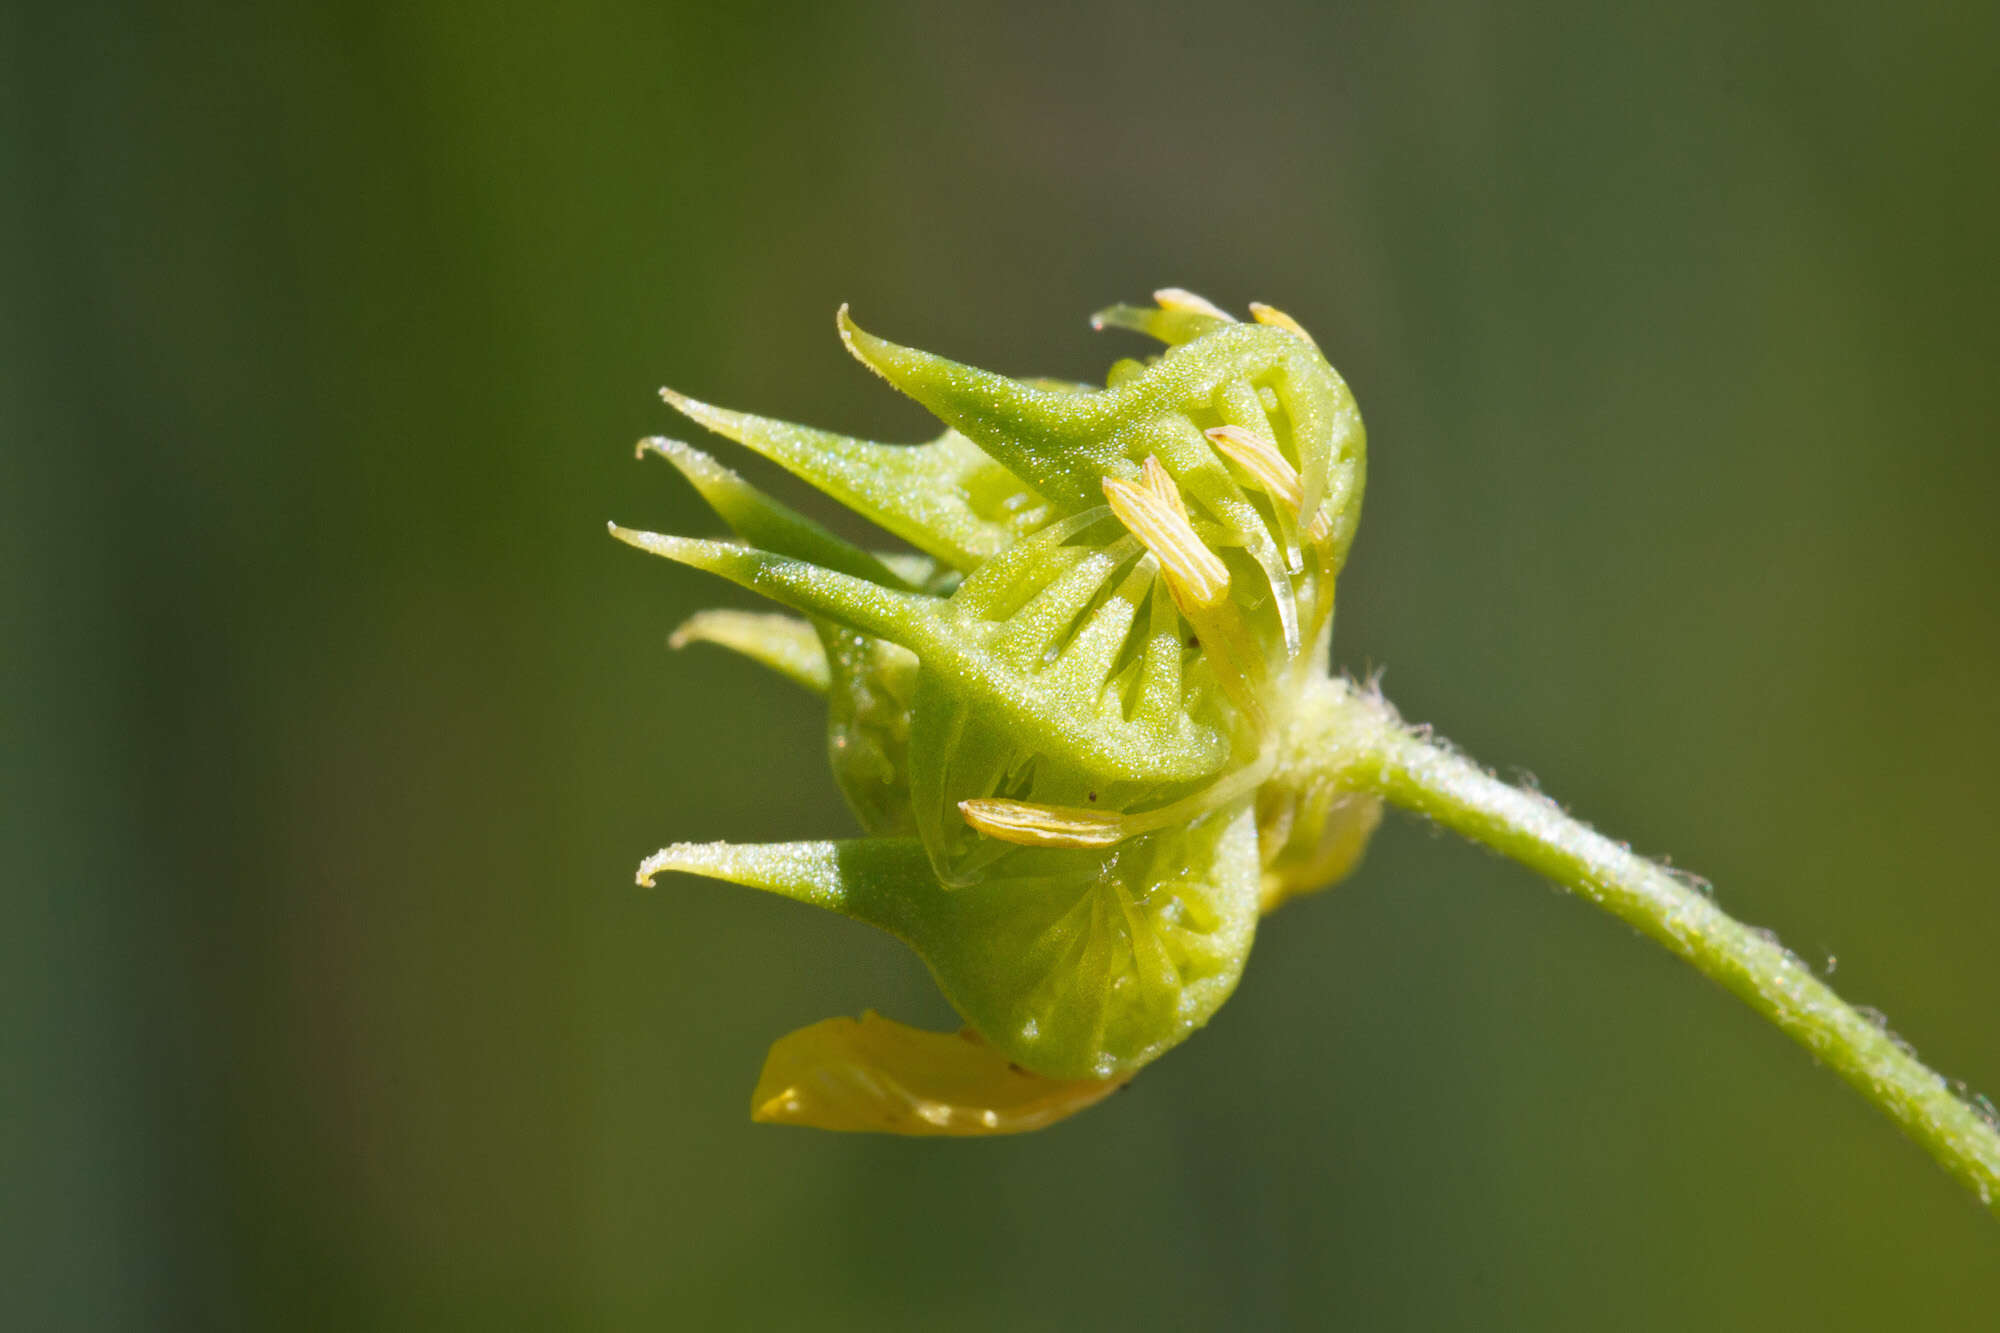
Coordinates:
(1261, 459)
(1271, 470)
(1278, 319)
(1152, 510)
(1179, 298)
(1042, 825)
(1161, 482)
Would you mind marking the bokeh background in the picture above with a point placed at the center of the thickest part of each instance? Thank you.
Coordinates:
(334, 724)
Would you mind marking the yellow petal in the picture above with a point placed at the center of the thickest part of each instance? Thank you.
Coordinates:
(1312, 842)
(880, 1076)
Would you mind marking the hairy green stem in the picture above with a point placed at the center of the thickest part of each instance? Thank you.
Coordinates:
(1353, 737)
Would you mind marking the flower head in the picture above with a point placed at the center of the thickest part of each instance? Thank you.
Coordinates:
(1059, 718)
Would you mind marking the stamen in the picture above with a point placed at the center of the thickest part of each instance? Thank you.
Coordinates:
(1179, 298)
(1196, 579)
(1063, 826)
(1271, 470)
(1261, 459)
(1041, 825)
(1278, 319)
(1152, 509)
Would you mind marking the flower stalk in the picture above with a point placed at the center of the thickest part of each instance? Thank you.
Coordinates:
(1353, 738)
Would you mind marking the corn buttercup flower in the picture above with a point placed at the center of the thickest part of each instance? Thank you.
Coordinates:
(1060, 716)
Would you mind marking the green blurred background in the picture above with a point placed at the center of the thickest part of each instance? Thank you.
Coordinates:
(334, 724)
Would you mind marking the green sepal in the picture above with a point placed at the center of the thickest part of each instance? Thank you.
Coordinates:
(764, 522)
(946, 498)
(1172, 325)
(867, 681)
(1140, 749)
(1097, 626)
(871, 685)
(1058, 442)
(785, 644)
(1077, 964)
(1063, 445)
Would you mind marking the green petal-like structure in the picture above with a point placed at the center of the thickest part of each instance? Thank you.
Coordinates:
(1057, 716)
(1071, 975)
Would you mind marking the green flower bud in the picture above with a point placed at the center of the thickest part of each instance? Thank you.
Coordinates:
(1060, 719)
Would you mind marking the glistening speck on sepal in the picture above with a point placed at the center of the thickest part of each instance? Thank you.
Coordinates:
(1058, 716)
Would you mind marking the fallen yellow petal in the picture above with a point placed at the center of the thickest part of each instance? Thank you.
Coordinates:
(882, 1077)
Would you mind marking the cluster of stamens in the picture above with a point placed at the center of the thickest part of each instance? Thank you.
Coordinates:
(1152, 508)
